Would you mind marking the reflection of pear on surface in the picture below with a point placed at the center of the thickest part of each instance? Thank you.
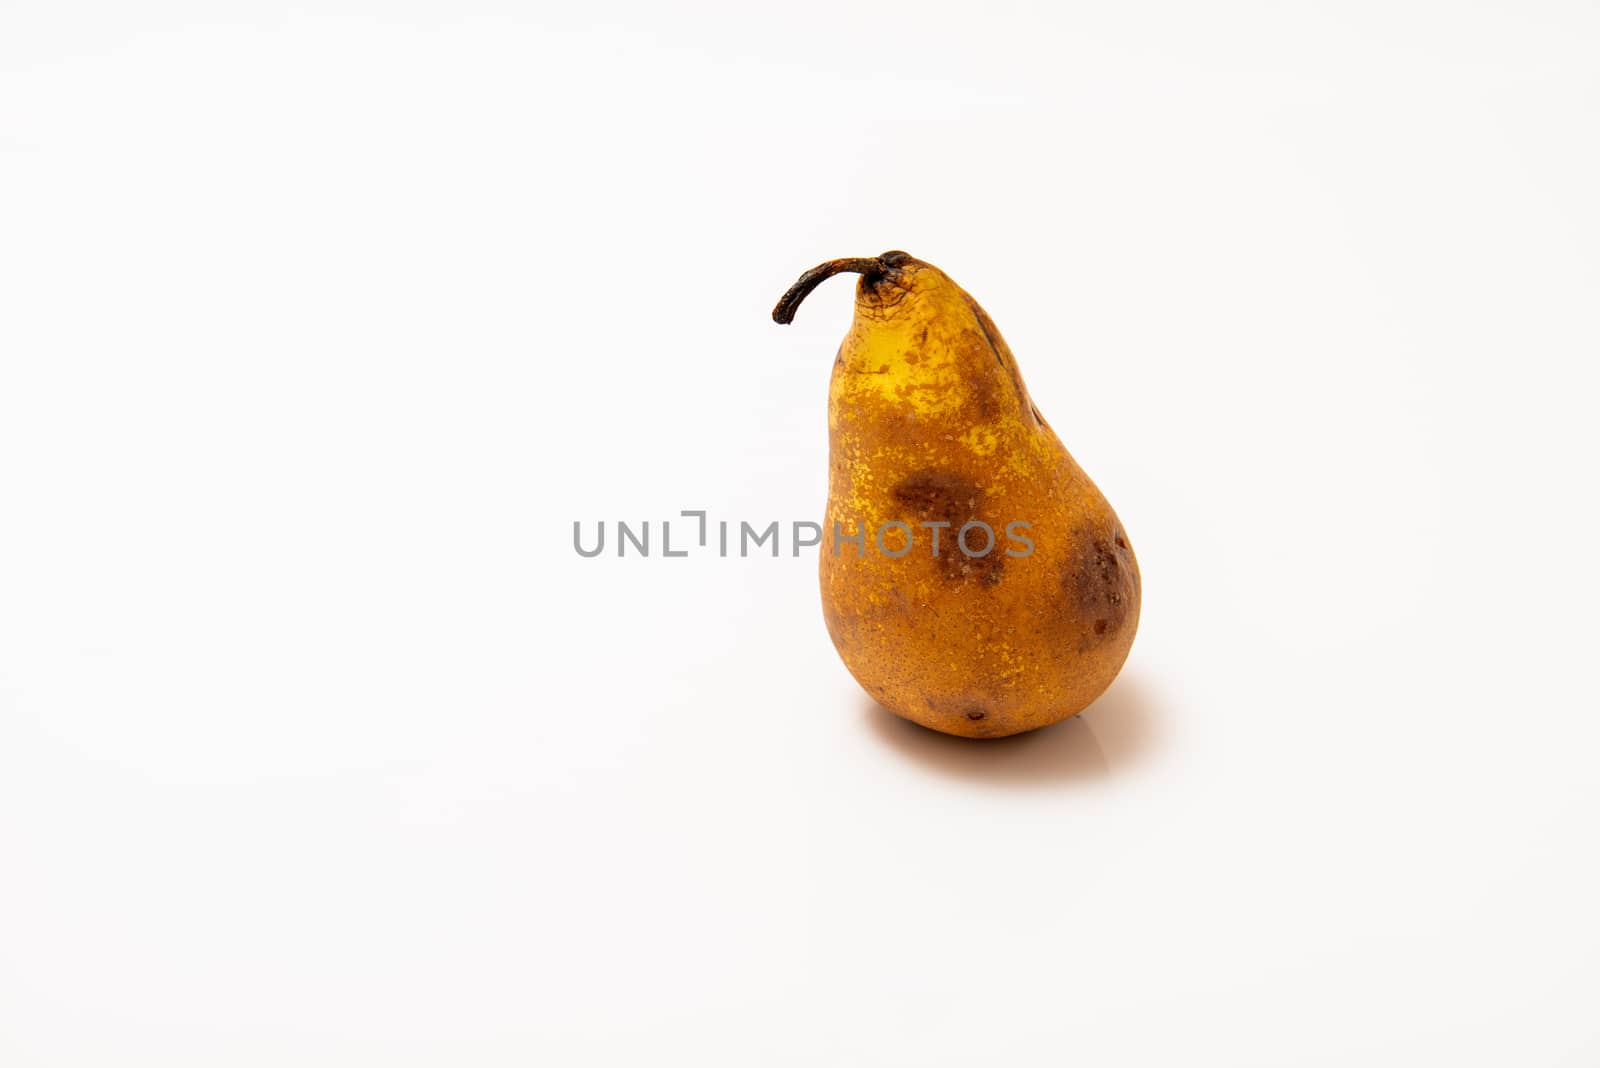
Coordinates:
(930, 426)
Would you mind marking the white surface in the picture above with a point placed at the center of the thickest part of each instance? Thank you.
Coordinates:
(319, 745)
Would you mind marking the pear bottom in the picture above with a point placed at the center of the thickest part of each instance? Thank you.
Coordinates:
(988, 649)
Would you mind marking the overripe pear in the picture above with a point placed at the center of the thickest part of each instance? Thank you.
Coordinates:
(933, 440)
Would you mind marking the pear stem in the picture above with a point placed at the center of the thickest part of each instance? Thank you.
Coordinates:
(790, 301)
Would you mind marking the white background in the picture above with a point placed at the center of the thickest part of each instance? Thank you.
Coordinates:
(319, 744)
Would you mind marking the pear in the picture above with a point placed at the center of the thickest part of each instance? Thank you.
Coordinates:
(974, 580)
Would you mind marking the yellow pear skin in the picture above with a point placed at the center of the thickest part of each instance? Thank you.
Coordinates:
(930, 426)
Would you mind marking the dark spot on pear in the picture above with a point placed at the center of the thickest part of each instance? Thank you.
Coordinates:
(939, 495)
(1100, 583)
(935, 496)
